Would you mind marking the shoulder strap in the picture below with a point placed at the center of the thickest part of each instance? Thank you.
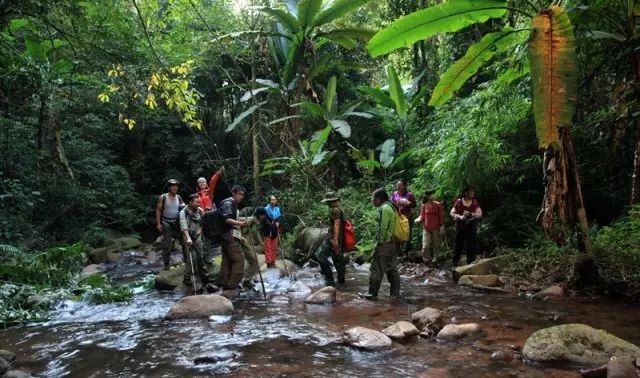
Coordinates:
(164, 199)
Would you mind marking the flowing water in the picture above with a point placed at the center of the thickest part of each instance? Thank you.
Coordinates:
(281, 336)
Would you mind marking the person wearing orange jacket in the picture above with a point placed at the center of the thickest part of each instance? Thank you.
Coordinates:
(206, 193)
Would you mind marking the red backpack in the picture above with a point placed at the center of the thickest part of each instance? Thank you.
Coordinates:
(348, 236)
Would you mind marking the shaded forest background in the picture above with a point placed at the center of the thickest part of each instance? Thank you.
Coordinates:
(84, 151)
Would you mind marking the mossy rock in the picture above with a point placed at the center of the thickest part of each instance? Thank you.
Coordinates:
(172, 278)
(577, 345)
(112, 249)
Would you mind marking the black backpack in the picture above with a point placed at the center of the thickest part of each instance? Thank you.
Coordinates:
(212, 224)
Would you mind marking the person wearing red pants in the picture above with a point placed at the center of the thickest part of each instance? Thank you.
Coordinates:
(271, 231)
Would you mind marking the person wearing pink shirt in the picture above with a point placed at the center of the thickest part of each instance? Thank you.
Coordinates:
(466, 212)
(405, 202)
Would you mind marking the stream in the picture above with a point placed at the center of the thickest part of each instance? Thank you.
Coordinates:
(282, 336)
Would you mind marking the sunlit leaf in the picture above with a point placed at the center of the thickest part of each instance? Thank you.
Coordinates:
(242, 116)
(252, 93)
(476, 56)
(552, 57)
(397, 92)
(450, 16)
(378, 95)
(331, 100)
(283, 17)
(337, 9)
(341, 126)
(307, 12)
(387, 152)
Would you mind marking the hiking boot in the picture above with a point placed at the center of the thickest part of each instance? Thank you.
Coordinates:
(211, 288)
(368, 296)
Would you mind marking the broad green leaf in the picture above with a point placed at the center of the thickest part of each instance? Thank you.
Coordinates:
(33, 48)
(378, 95)
(397, 92)
(345, 42)
(307, 12)
(357, 114)
(369, 164)
(312, 108)
(331, 100)
(400, 158)
(447, 17)
(477, 56)
(554, 79)
(512, 74)
(293, 61)
(283, 119)
(319, 139)
(597, 34)
(387, 152)
(286, 19)
(318, 157)
(242, 116)
(341, 126)
(338, 9)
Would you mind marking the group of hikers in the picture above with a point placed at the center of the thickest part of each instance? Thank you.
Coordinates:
(205, 231)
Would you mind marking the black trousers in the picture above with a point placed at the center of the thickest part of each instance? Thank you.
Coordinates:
(465, 237)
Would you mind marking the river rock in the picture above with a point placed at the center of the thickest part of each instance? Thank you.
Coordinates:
(310, 238)
(478, 268)
(401, 331)
(200, 307)
(92, 269)
(367, 339)
(326, 295)
(503, 356)
(621, 368)
(172, 278)
(435, 373)
(7, 355)
(427, 319)
(18, 374)
(490, 280)
(4, 367)
(112, 248)
(551, 291)
(214, 358)
(576, 344)
(457, 331)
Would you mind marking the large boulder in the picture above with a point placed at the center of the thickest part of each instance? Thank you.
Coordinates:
(621, 368)
(576, 344)
(326, 295)
(401, 331)
(490, 280)
(481, 267)
(310, 238)
(200, 307)
(17, 374)
(110, 252)
(551, 292)
(367, 339)
(172, 278)
(427, 319)
(456, 331)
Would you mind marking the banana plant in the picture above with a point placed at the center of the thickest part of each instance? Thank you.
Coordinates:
(553, 71)
(301, 24)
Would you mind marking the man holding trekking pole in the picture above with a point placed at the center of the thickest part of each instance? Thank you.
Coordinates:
(191, 229)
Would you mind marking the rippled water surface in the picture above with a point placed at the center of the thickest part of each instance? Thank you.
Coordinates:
(281, 336)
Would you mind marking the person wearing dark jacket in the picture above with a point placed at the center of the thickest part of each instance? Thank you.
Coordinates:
(271, 231)
(466, 212)
(232, 265)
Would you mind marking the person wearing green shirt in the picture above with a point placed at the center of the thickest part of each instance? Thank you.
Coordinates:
(385, 255)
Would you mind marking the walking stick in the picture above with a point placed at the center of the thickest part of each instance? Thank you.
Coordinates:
(193, 274)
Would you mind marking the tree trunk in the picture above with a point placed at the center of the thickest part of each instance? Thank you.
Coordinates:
(635, 178)
(563, 204)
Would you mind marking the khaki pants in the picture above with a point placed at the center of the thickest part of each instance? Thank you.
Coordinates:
(232, 265)
(195, 254)
(384, 261)
(250, 256)
(170, 232)
(430, 244)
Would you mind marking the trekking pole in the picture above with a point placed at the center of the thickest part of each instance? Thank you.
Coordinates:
(193, 273)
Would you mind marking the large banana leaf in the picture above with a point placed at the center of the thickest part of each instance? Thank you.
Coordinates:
(387, 152)
(552, 57)
(338, 9)
(286, 19)
(477, 55)
(293, 60)
(378, 95)
(355, 33)
(397, 92)
(307, 12)
(447, 17)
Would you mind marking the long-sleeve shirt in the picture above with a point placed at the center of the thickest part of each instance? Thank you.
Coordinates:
(206, 195)
(386, 222)
(432, 216)
(191, 221)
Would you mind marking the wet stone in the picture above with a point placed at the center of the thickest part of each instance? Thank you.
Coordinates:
(17, 374)
(457, 331)
(7, 355)
(4, 366)
(366, 339)
(503, 356)
(326, 295)
(621, 368)
(597, 372)
(401, 331)
(427, 319)
(214, 358)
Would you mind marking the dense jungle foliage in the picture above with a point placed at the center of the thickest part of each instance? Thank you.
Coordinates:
(102, 101)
